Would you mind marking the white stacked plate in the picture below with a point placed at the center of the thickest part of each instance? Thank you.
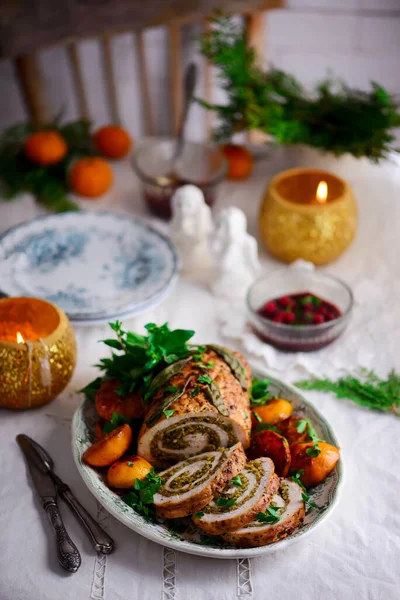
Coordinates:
(97, 266)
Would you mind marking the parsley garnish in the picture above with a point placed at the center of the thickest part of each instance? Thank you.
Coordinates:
(236, 480)
(143, 493)
(368, 390)
(129, 463)
(295, 476)
(265, 426)
(171, 388)
(259, 394)
(209, 539)
(197, 357)
(271, 515)
(116, 421)
(256, 416)
(169, 413)
(199, 514)
(92, 388)
(226, 501)
(137, 359)
(195, 391)
(314, 450)
(304, 424)
(204, 379)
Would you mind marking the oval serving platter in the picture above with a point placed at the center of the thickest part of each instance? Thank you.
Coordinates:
(325, 496)
(96, 266)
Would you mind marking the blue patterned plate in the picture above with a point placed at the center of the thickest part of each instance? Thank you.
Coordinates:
(325, 495)
(96, 266)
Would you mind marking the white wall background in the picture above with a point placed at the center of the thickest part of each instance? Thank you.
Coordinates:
(357, 40)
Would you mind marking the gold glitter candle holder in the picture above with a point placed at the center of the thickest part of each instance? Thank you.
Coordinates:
(298, 221)
(37, 352)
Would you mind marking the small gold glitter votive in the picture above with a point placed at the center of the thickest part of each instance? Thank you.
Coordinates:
(37, 352)
(308, 214)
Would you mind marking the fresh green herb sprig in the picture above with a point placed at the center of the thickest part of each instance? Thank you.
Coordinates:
(48, 184)
(226, 501)
(295, 476)
(301, 426)
(210, 540)
(116, 421)
(168, 413)
(367, 390)
(271, 515)
(333, 118)
(139, 358)
(259, 393)
(265, 427)
(236, 480)
(142, 495)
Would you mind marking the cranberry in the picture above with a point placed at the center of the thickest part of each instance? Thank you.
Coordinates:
(329, 315)
(279, 317)
(270, 307)
(318, 319)
(289, 317)
(308, 306)
(286, 301)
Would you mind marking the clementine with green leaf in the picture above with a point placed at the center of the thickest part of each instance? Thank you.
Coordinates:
(45, 147)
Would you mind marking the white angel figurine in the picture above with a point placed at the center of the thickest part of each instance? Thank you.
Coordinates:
(235, 253)
(191, 226)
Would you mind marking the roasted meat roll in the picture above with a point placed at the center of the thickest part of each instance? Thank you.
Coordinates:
(198, 406)
(291, 515)
(241, 499)
(190, 485)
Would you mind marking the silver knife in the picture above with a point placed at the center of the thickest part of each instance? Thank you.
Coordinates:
(100, 539)
(67, 553)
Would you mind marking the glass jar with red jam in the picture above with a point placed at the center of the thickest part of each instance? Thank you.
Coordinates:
(308, 311)
(202, 165)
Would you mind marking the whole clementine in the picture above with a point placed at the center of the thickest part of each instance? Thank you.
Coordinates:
(112, 141)
(90, 177)
(240, 161)
(45, 147)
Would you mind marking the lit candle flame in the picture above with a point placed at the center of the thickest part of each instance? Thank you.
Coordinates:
(322, 192)
(20, 339)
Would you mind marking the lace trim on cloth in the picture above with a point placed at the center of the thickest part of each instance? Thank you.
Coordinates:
(100, 563)
(244, 585)
(169, 574)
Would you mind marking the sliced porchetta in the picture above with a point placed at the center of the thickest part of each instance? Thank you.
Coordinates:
(292, 512)
(239, 502)
(199, 406)
(190, 485)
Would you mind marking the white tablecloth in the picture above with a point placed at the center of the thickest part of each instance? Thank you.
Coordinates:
(356, 553)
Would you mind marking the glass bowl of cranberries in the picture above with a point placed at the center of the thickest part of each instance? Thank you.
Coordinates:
(299, 310)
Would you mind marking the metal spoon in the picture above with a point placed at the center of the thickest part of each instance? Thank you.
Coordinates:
(101, 540)
(189, 84)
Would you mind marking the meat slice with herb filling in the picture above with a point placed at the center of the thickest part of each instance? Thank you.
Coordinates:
(189, 485)
(286, 512)
(241, 500)
(201, 404)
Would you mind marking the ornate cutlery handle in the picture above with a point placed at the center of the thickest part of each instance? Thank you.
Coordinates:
(101, 540)
(67, 553)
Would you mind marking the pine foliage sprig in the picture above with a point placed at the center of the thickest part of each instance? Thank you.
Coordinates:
(333, 118)
(367, 390)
